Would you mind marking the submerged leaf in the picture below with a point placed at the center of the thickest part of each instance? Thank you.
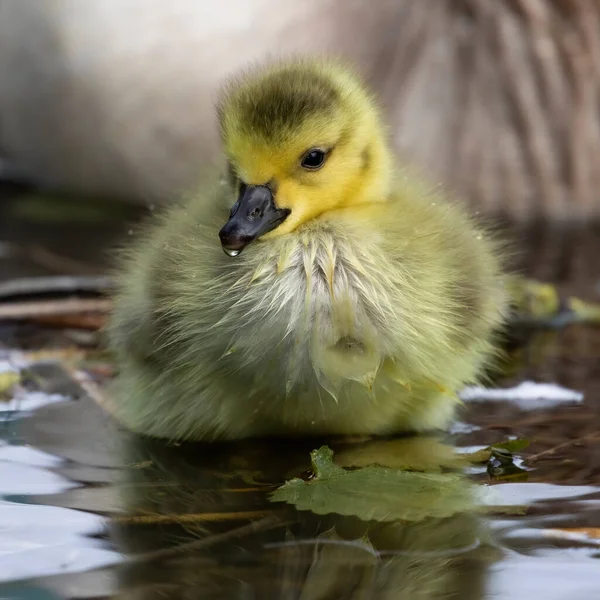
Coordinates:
(376, 493)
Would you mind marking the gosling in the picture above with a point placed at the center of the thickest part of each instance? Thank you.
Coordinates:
(317, 289)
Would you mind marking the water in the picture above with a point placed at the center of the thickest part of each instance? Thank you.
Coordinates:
(92, 511)
(88, 510)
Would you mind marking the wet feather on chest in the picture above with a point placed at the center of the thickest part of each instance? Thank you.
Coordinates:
(319, 296)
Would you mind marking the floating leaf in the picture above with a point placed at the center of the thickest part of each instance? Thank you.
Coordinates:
(533, 299)
(585, 311)
(376, 493)
(512, 446)
(8, 380)
(538, 302)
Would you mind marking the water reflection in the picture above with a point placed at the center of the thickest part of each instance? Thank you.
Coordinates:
(195, 521)
(186, 528)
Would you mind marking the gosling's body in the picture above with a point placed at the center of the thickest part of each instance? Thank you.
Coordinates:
(362, 319)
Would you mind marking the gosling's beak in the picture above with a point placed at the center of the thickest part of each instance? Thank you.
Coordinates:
(251, 216)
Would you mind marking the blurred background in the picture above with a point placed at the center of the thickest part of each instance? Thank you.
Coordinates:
(497, 98)
(106, 115)
(106, 112)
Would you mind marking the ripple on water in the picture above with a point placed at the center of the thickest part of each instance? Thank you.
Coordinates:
(38, 540)
(43, 541)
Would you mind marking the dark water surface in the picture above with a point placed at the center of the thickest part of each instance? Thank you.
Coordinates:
(90, 511)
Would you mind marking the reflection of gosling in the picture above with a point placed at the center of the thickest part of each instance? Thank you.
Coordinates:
(173, 495)
(348, 300)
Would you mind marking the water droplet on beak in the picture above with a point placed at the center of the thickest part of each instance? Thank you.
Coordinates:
(231, 252)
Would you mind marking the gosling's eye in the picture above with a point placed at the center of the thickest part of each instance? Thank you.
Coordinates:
(314, 159)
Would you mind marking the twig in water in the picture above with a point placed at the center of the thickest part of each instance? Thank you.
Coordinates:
(159, 519)
(586, 438)
(31, 310)
(265, 524)
(54, 284)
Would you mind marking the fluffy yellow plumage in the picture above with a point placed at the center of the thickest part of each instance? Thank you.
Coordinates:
(351, 299)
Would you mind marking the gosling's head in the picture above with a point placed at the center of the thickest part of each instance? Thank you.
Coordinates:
(302, 139)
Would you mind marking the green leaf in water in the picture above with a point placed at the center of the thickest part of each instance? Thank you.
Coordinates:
(532, 299)
(539, 302)
(8, 381)
(512, 446)
(376, 493)
(585, 312)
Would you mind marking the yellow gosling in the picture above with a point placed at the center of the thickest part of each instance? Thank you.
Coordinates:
(351, 297)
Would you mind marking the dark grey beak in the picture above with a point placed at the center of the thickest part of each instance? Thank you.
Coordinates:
(253, 215)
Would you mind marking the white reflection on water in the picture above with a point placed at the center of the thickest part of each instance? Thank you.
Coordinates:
(36, 541)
